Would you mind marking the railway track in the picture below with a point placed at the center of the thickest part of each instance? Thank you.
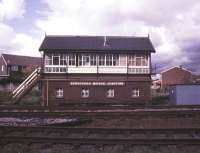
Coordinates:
(90, 141)
(102, 113)
(191, 132)
(101, 136)
(87, 106)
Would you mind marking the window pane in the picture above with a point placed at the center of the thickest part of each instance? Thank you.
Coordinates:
(93, 61)
(86, 60)
(135, 93)
(110, 93)
(131, 60)
(48, 59)
(56, 60)
(138, 60)
(59, 93)
(72, 59)
(2, 68)
(85, 93)
(115, 60)
(63, 59)
(123, 60)
(14, 68)
(144, 60)
(101, 60)
(109, 60)
(80, 61)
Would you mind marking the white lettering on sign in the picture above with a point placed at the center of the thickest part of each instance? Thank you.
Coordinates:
(97, 83)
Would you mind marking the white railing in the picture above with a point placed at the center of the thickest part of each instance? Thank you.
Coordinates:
(55, 69)
(26, 83)
(97, 69)
(138, 70)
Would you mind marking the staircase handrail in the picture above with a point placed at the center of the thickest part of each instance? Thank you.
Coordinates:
(26, 80)
(24, 85)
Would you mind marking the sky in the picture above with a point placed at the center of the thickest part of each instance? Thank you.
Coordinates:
(173, 25)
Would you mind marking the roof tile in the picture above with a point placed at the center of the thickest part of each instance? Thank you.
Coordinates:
(96, 43)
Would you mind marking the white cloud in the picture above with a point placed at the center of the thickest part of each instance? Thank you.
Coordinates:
(172, 25)
(18, 43)
(12, 41)
(6, 33)
(26, 45)
(11, 9)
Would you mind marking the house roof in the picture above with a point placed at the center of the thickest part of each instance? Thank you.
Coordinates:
(21, 60)
(96, 43)
(176, 67)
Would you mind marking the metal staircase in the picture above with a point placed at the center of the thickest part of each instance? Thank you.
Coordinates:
(26, 85)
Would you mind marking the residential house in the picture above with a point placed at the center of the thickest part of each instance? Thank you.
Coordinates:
(175, 75)
(16, 63)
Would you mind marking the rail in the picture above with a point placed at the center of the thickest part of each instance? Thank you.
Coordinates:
(92, 106)
(161, 136)
(104, 113)
(102, 141)
(102, 130)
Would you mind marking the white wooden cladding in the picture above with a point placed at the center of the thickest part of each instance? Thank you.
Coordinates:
(94, 63)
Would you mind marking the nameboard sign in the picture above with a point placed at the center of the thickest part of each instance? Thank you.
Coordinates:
(97, 83)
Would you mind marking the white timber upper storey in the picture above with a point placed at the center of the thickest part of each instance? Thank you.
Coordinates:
(97, 54)
(91, 63)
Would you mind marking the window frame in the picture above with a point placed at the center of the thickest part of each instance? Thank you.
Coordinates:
(71, 59)
(48, 59)
(135, 93)
(2, 68)
(85, 93)
(109, 60)
(122, 60)
(63, 59)
(102, 60)
(84, 60)
(110, 93)
(59, 93)
(115, 60)
(93, 60)
(15, 68)
(55, 61)
(138, 60)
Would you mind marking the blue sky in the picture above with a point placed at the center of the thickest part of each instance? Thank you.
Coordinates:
(174, 26)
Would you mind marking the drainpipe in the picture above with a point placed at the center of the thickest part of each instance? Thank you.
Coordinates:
(47, 93)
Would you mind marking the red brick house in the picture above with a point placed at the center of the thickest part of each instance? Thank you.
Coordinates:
(175, 75)
(16, 63)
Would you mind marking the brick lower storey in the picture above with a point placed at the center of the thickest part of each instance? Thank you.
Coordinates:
(98, 85)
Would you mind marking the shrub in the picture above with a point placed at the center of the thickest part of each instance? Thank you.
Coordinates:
(160, 100)
(4, 96)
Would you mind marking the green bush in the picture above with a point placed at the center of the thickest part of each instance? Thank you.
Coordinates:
(14, 77)
(160, 100)
(32, 98)
(4, 96)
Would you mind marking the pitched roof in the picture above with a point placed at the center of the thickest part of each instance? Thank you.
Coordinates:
(22, 60)
(96, 43)
(178, 68)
